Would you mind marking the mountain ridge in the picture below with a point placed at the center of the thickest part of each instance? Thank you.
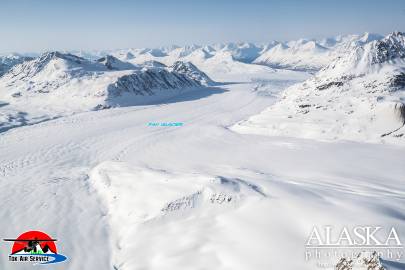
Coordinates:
(359, 96)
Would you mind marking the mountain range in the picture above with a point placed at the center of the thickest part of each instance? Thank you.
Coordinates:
(358, 96)
(302, 54)
(62, 76)
(354, 91)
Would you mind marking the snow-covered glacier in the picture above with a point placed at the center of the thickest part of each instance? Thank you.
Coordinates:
(220, 156)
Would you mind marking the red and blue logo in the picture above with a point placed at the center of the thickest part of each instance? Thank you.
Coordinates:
(35, 247)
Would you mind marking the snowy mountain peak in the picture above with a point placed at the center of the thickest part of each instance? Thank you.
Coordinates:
(187, 68)
(397, 34)
(268, 46)
(185, 51)
(48, 56)
(300, 55)
(363, 58)
(157, 52)
(180, 65)
(279, 47)
(114, 63)
(53, 64)
(312, 46)
(390, 47)
(10, 60)
(368, 37)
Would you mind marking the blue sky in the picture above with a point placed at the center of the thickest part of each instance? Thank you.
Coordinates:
(38, 25)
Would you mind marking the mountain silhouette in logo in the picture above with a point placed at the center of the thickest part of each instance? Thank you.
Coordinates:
(33, 242)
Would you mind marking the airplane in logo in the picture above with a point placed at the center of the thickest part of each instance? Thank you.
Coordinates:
(31, 245)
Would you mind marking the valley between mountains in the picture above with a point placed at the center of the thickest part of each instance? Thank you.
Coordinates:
(275, 139)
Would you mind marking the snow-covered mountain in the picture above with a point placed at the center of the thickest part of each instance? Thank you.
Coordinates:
(148, 82)
(99, 79)
(71, 82)
(52, 65)
(205, 58)
(244, 52)
(298, 55)
(191, 71)
(348, 40)
(10, 60)
(359, 96)
(222, 66)
(370, 56)
(303, 54)
(92, 55)
(312, 55)
(114, 63)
